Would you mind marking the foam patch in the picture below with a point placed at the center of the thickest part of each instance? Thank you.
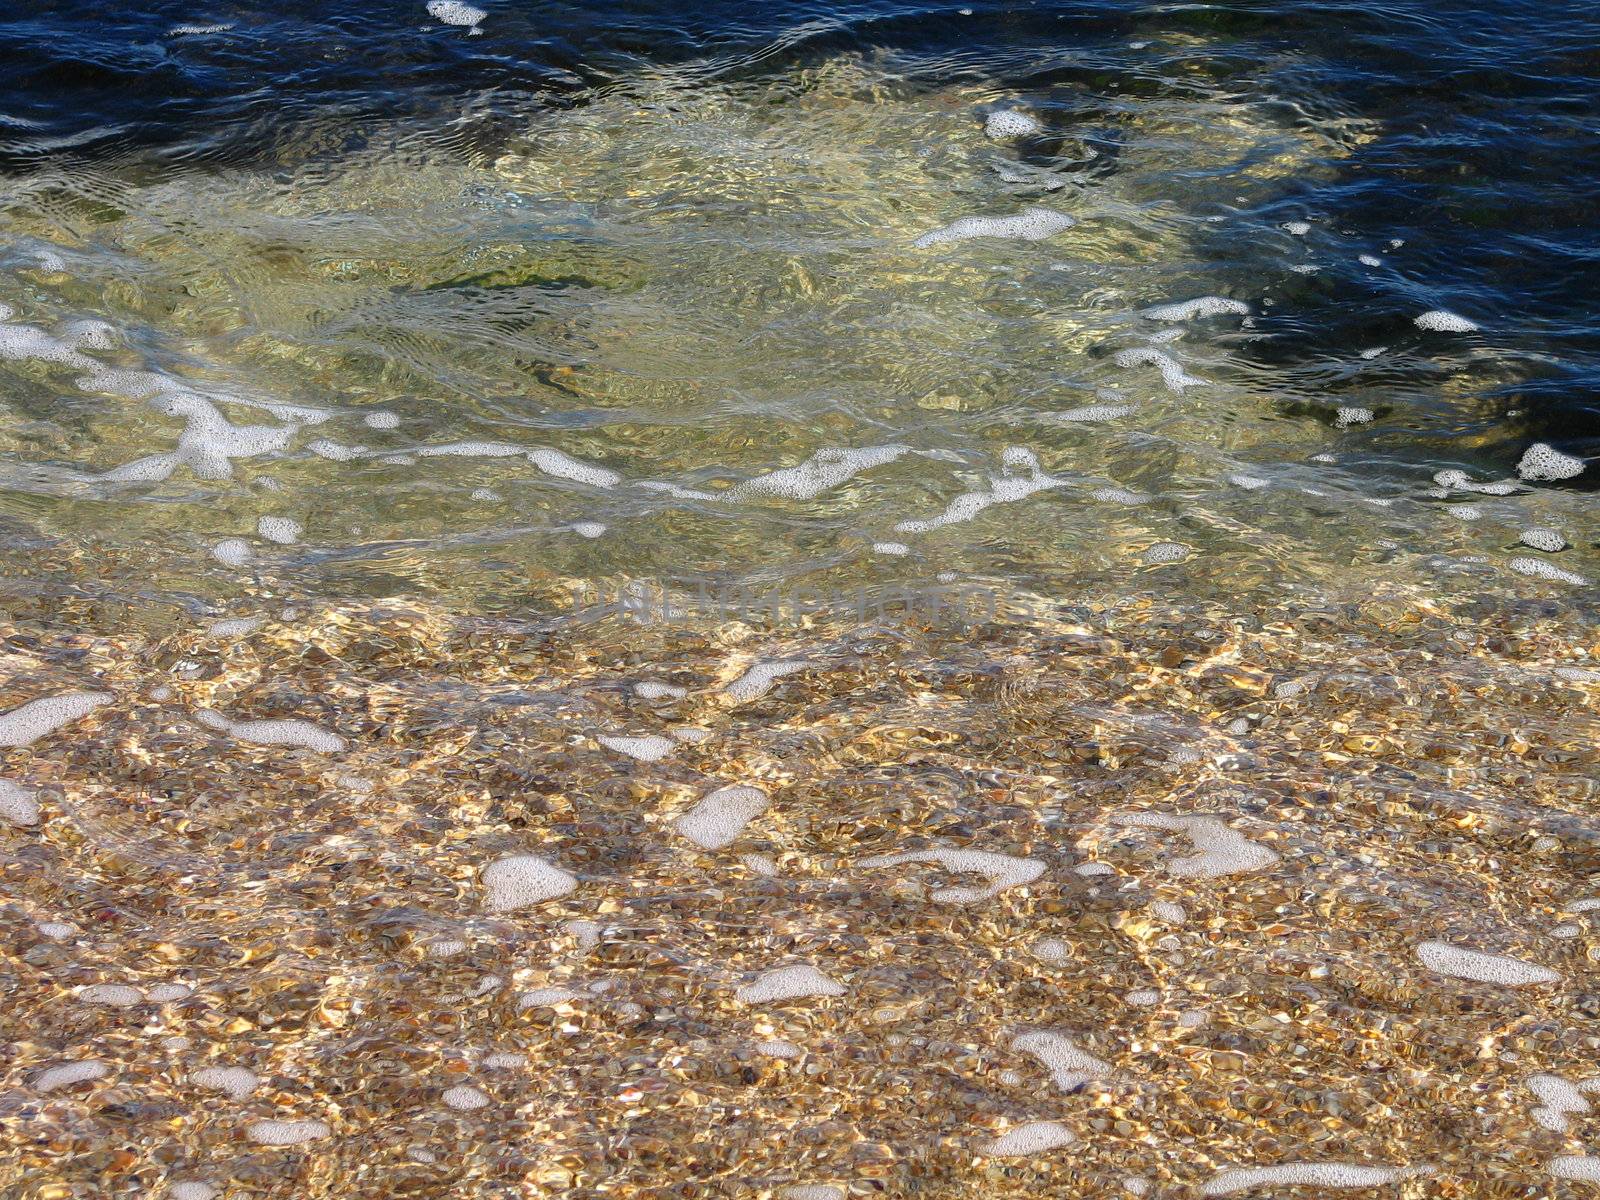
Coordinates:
(1558, 1098)
(286, 1133)
(27, 723)
(1069, 1066)
(652, 748)
(1022, 477)
(464, 1097)
(1172, 372)
(1036, 1137)
(1441, 321)
(1543, 461)
(67, 1074)
(1203, 306)
(721, 816)
(1030, 225)
(1221, 850)
(1547, 540)
(1001, 870)
(825, 469)
(1538, 568)
(758, 680)
(659, 691)
(1311, 1174)
(521, 880)
(454, 12)
(299, 735)
(1461, 963)
(233, 552)
(236, 1082)
(113, 995)
(788, 983)
(1006, 123)
(18, 805)
(280, 530)
(1575, 1166)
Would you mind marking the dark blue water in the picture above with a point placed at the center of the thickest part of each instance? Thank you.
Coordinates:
(1484, 159)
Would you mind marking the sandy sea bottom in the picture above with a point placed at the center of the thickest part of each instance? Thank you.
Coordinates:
(1107, 898)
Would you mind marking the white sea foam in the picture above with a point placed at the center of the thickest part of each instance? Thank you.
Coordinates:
(1575, 1166)
(25, 724)
(1091, 869)
(22, 342)
(588, 529)
(300, 735)
(1203, 306)
(1311, 1174)
(1543, 461)
(1353, 414)
(521, 880)
(236, 1082)
(1557, 1098)
(232, 552)
(1548, 540)
(651, 748)
(1172, 372)
(66, 1074)
(788, 983)
(232, 627)
(503, 1060)
(1165, 552)
(1120, 495)
(381, 420)
(1005, 123)
(811, 1191)
(1222, 850)
(1030, 225)
(113, 995)
(208, 444)
(465, 1097)
(19, 805)
(825, 469)
(1094, 412)
(1052, 950)
(1021, 477)
(1369, 260)
(191, 1189)
(56, 930)
(659, 691)
(1483, 968)
(282, 530)
(1069, 1065)
(286, 1133)
(1035, 1137)
(758, 680)
(1538, 568)
(564, 466)
(891, 549)
(1440, 321)
(1001, 870)
(1298, 228)
(777, 1048)
(547, 997)
(721, 816)
(454, 12)
(1143, 997)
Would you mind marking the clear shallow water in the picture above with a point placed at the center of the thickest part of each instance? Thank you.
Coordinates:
(472, 379)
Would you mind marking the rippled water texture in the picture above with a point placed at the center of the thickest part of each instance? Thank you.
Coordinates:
(799, 602)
